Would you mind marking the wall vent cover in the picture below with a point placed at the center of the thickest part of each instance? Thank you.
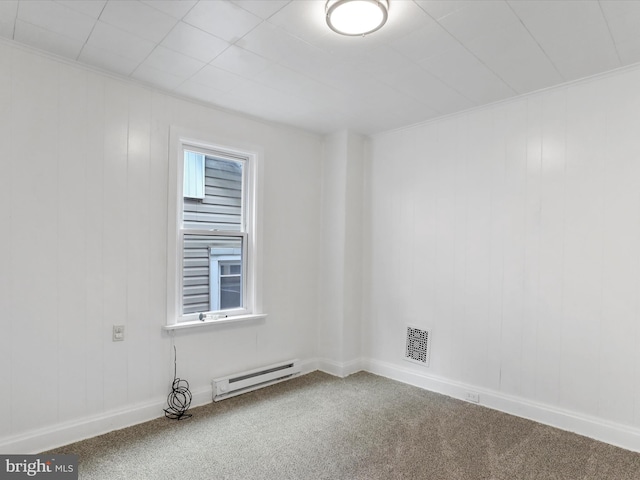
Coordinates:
(418, 345)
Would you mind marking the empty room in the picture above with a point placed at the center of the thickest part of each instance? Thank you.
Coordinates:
(311, 239)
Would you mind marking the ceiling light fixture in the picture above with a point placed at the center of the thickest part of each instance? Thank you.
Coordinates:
(356, 17)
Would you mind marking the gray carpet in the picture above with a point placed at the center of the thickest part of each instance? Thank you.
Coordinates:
(362, 427)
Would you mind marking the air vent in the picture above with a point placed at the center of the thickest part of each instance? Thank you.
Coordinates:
(418, 345)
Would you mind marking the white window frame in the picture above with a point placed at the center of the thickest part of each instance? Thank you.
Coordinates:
(181, 140)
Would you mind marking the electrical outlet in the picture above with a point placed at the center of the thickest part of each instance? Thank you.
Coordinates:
(472, 397)
(118, 333)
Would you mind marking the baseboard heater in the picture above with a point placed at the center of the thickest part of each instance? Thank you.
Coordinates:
(244, 382)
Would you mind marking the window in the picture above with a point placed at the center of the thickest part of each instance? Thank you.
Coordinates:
(215, 245)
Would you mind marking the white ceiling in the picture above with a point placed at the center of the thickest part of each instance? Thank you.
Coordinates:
(277, 59)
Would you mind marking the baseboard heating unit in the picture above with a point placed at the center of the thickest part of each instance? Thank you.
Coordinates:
(244, 382)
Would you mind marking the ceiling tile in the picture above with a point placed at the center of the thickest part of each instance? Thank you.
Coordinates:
(515, 57)
(169, 61)
(347, 79)
(408, 115)
(222, 19)
(93, 8)
(106, 60)
(365, 94)
(241, 62)
(194, 42)
(231, 101)
(583, 53)
(620, 8)
(475, 19)
(438, 9)
(270, 103)
(111, 39)
(623, 18)
(396, 103)
(461, 70)
(261, 8)
(176, 8)
(384, 63)
(197, 91)
(217, 78)
(138, 18)
(404, 18)
(47, 40)
(426, 88)
(428, 41)
(158, 78)
(254, 93)
(310, 61)
(247, 99)
(271, 42)
(304, 20)
(56, 18)
(560, 18)
(344, 48)
(293, 83)
(8, 12)
(573, 34)
(629, 51)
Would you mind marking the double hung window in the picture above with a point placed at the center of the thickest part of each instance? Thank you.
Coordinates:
(214, 245)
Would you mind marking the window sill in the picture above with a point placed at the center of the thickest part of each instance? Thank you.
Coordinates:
(219, 321)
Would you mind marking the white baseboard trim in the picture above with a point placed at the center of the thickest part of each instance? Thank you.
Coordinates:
(55, 436)
(340, 369)
(609, 432)
(309, 365)
(63, 434)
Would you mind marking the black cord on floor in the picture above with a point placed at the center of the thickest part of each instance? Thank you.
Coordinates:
(179, 400)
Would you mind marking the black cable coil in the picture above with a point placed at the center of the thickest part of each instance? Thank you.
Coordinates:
(179, 400)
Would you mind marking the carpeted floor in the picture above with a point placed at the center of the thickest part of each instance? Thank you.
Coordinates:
(362, 427)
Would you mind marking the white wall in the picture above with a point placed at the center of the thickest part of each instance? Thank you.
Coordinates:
(513, 232)
(83, 215)
(332, 248)
(340, 272)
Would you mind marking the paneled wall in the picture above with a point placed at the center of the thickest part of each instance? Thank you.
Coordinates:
(83, 221)
(341, 269)
(513, 232)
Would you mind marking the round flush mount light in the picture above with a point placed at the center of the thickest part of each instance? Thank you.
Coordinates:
(356, 17)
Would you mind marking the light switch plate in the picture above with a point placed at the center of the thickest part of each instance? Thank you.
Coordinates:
(118, 333)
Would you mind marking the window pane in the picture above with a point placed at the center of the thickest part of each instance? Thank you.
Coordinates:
(193, 175)
(230, 292)
(209, 284)
(230, 268)
(220, 206)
